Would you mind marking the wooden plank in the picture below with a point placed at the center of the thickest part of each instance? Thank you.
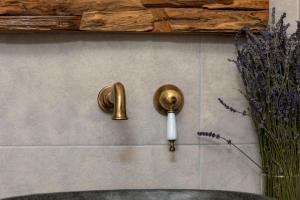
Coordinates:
(173, 20)
(126, 21)
(64, 7)
(198, 20)
(40, 23)
(182, 3)
(210, 4)
(241, 5)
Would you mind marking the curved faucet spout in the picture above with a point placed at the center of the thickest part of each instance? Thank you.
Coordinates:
(112, 99)
(119, 101)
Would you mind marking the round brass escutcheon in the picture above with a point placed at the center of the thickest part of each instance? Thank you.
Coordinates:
(104, 101)
(168, 98)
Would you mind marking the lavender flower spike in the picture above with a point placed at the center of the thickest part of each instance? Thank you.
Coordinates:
(231, 109)
(217, 136)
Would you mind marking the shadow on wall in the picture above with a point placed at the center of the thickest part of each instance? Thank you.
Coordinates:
(64, 37)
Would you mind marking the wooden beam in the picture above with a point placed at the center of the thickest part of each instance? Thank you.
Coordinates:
(77, 7)
(173, 20)
(134, 15)
(40, 23)
(64, 7)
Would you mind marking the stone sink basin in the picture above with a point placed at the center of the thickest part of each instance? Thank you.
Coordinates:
(144, 195)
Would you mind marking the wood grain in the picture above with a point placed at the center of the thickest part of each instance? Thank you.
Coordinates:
(176, 16)
(183, 3)
(241, 5)
(210, 4)
(40, 23)
(197, 20)
(173, 20)
(64, 7)
(126, 21)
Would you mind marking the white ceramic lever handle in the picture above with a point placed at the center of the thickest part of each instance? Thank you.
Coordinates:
(172, 130)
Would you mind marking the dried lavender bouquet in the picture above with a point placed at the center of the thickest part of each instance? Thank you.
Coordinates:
(269, 65)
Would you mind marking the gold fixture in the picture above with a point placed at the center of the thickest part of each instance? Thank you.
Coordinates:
(112, 99)
(168, 100)
(172, 145)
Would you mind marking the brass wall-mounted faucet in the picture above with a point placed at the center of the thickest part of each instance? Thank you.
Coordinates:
(112, 99)
(168, 100)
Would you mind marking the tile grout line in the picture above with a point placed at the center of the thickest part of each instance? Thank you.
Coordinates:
(200, 105)
(116, 146)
